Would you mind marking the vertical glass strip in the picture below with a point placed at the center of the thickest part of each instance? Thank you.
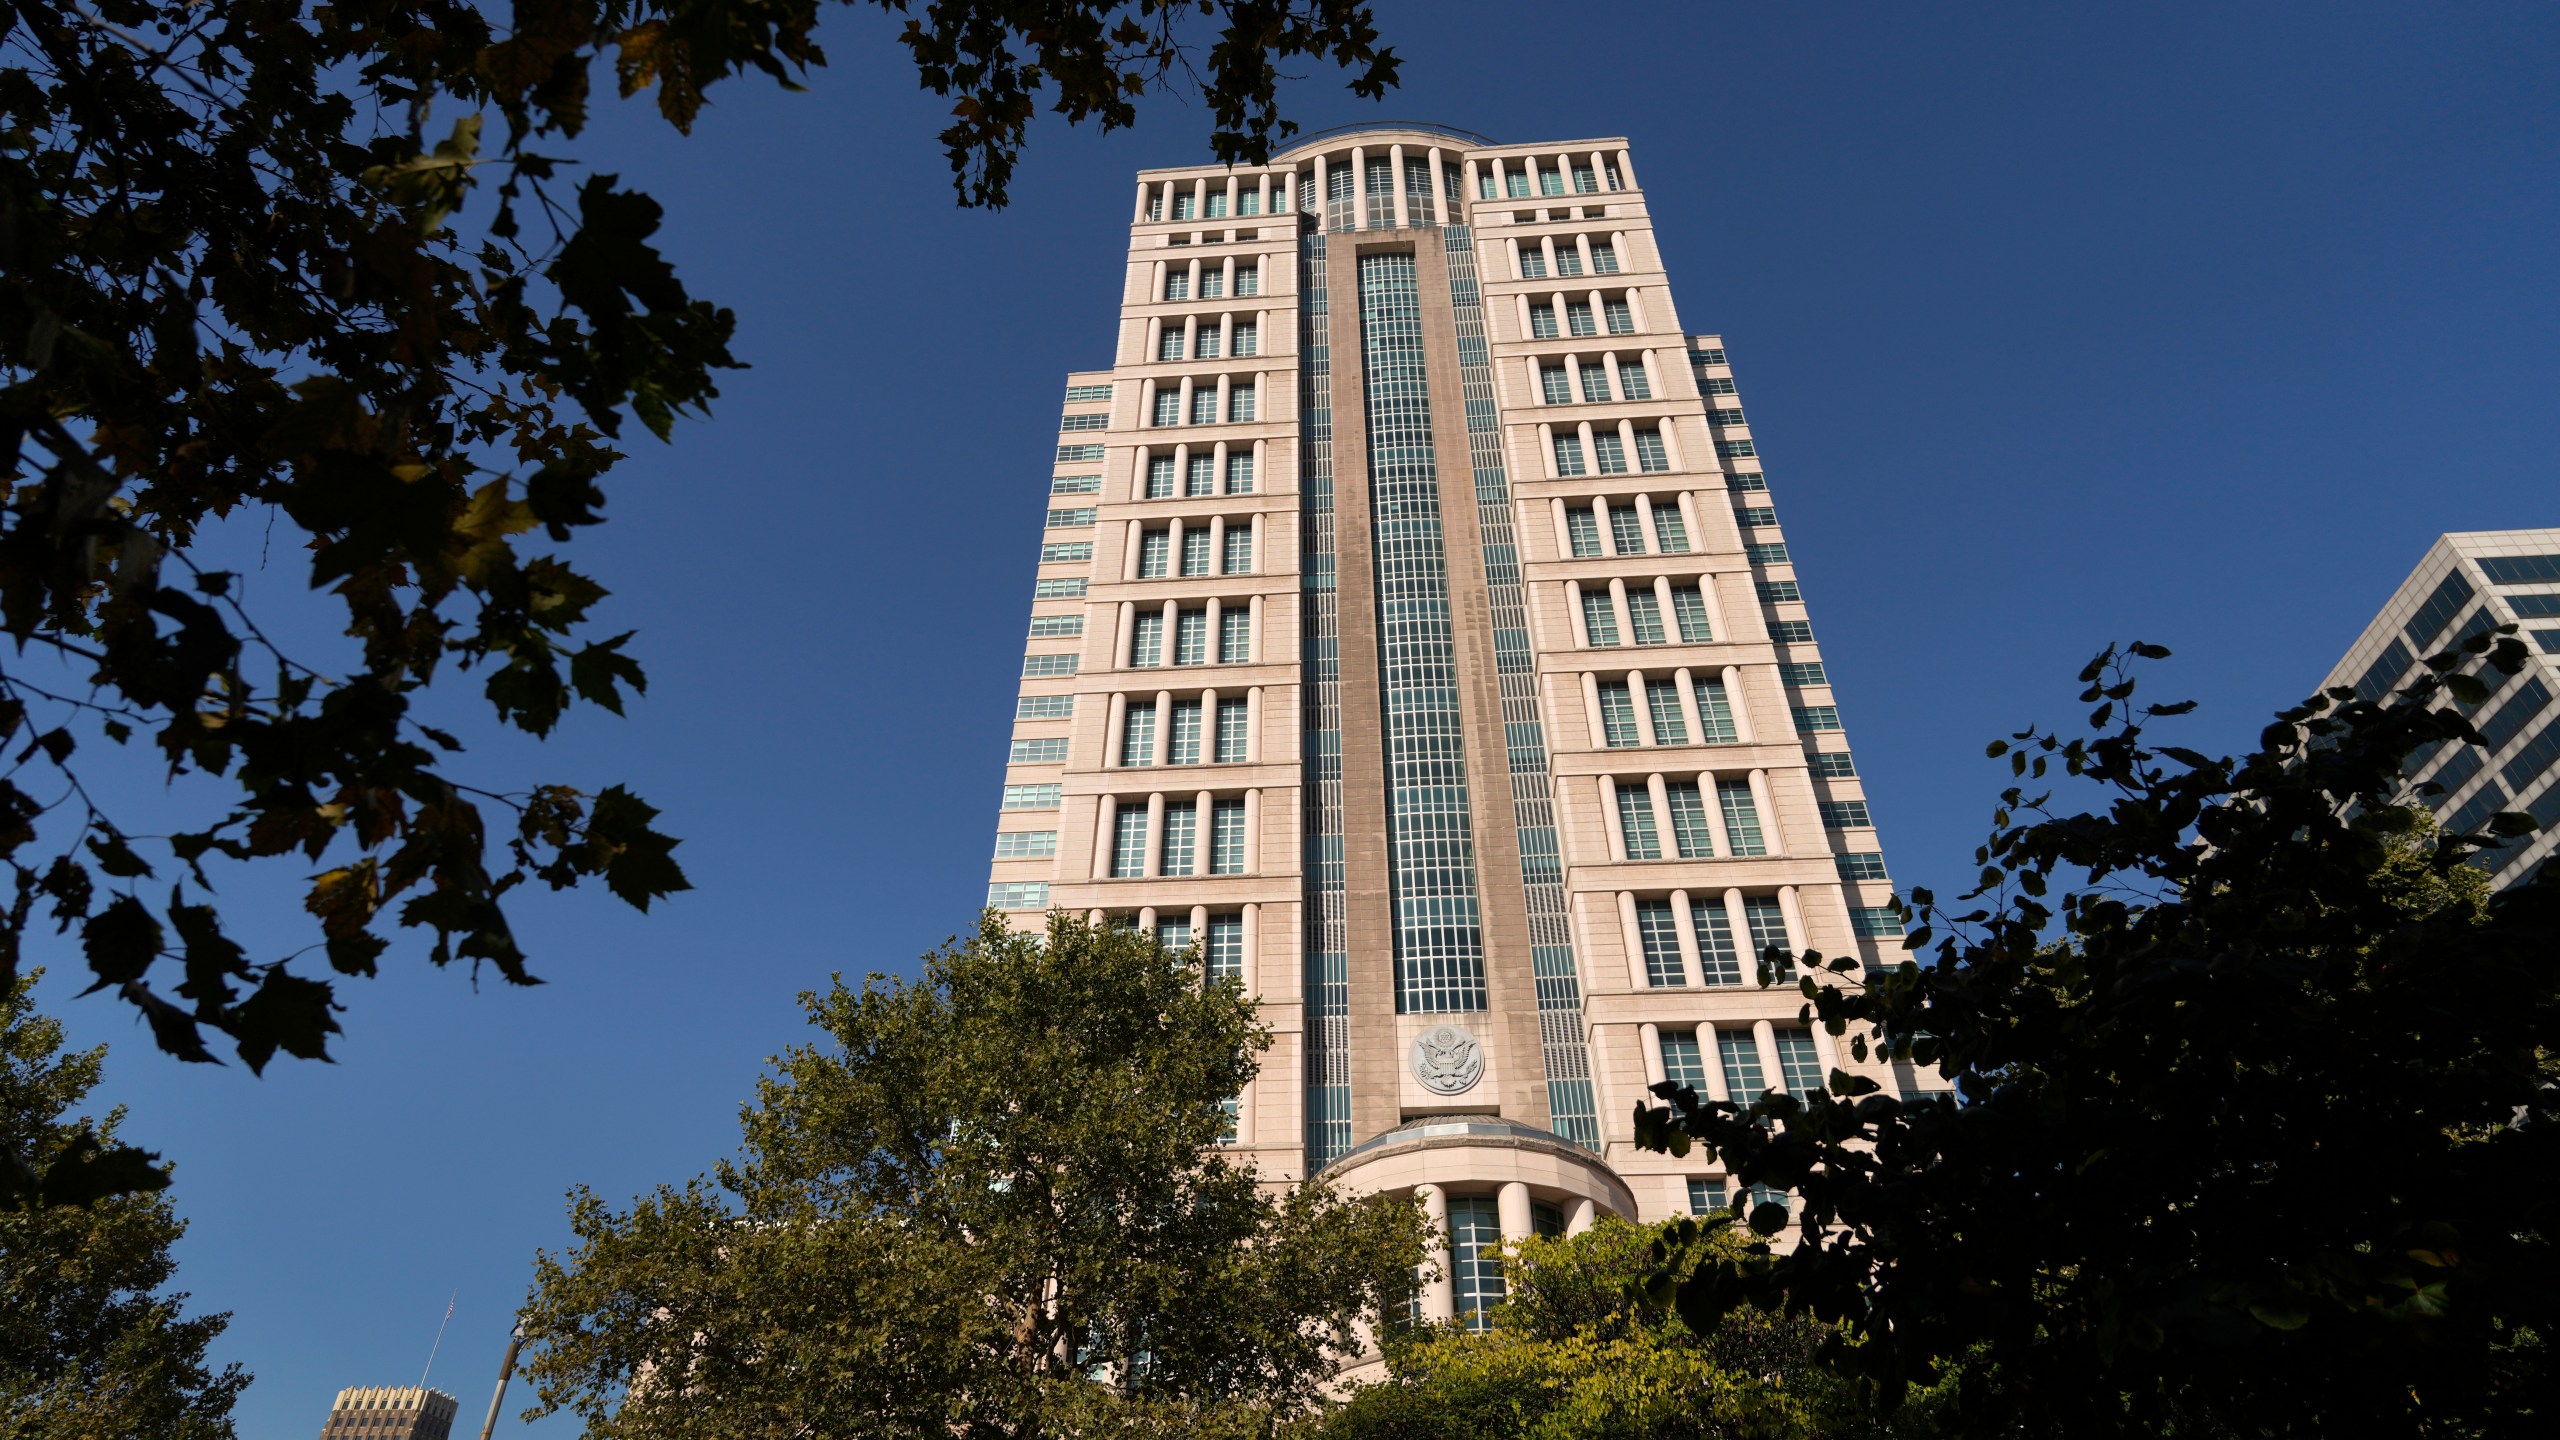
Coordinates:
(1328, 940)
(1431, 842)
(1569, 1096)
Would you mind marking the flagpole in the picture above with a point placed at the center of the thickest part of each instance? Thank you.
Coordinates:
(432, 1349)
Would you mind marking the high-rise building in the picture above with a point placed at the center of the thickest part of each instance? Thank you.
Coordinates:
(390, 1412)
(2470, 583)
(1414, 633)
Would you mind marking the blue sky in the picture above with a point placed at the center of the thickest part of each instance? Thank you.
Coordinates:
(2058, 325)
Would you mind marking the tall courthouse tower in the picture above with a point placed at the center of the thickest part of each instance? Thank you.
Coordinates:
(1415, 634)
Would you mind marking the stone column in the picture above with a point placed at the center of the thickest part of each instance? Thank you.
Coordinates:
(1154, 865)
(1640, 703)
(1511, 1203)
(1649, 1039)
(1693, 969)
(1760, 801)
(1744, 732)
(1201, 825)
(1116, 732)
(1764, 1038)
(1439, 1294)
(1689, 710)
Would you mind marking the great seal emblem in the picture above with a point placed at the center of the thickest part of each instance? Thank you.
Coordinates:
(1447, 1060)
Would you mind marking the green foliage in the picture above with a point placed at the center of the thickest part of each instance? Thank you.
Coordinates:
(2258, 1119)
(90, 1344)
(248, 273)
(991, 1203)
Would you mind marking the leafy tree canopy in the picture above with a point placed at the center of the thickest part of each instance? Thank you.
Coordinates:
(91, 1341)
(324, 267)
(991, 1203)
(2258, 1118)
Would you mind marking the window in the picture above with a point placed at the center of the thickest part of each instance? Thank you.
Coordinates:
(1791, 632)
(1516, 185)
(1617, 715)
(1803, 672)
(1584, 182)
(1155, 554)
(1659, 935)
(1734, 449)
(1200, 477)
(1146, 639)
(1832, 764)
(1741, 1061)
(1706, 1196)
(1138, 734)
(1754, 515)
(1727, 417)
(1058, 552)
(1075, 485)
(1169, 344)
(1213, 282)
(1845, 815)
(1206, 347)
(1129, 841)
(1033, 797)
(2513, 715)
(1551, 182)
(1689, 608)
(1240, 402)
(1813, 718)
(1741, 818)
(1689, 833)
(1874, 922)
(1632, 381)
(1622, 318)
(1766, 1195)
(1168, 405)
(1177, 283)
(1717, 954)
(1185, 207)
(1568, 455)
(1044, 707)
(1019, 895)
(1239, 557)
(1612, 455)
(1533, 262)
(1191, 638)
(1036, 667)
(1626, 527)
(1582, 528)
(1768, 922)
(2532, 758)
(1248, 339)
(1181, 838)
(1475, 1259)
(1681, 1063)
(1235, 635)
(1174, 935)
(2520, 569)
(1599, 617)
(1662, 699)
(1204, 404)
(1747, 480)
(1044, 627)
(1240, 474)
(1542, 322)
(1715, 385)
(1780, 592)
(1195, 551)
(1568, 260)
(1038, 752)
(1068, 588)
(1554, 385)
(1715, 712)
(1226, 837)
(1182, 747)
(1249, 279)
(1707, 357)
(1861, 865)
(1670, 533)
(1577, 318)
(1232, 732)
(1595, 385)
(1084, 422)
(1644, 615)
(1772, 552)
(1799, 1063)
(1604, 257)
(1159, 477)
(1635, 822)
(1650, 456)
(1078, 454)
(1071, 519)
(1087, 394)
(1223, 956)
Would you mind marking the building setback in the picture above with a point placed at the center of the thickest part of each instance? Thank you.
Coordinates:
(390, 1412)
(2470, 583)
(1414, 633)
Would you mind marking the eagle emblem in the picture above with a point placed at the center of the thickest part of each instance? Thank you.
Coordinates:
(1447, 1060)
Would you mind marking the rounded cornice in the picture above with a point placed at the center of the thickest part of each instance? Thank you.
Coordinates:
(1490, 1136)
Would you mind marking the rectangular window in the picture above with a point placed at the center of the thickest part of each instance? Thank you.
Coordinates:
(1741, 818)
(1626, 530)
(1204, 404)
(1662, 698)
(1803, 672)
(1240, 402)
(1568, 260)
(1249, 279)
(1248, 339)
(1622, 317)
(1581, 528)
(1554, 385)
(1599, 618)
(1595, 385)
(1660, 936)
(1791, 632)
(1610, 451)
(1635, 821)
(1516, 185)
(1235, 636)
(1240, 474)
(1715, 711)
(1650, 456)
(1568, 455)
(1874, 922)
(1177, 278)
(1681, 1062)
(1644, 614)
(2513, 715)
(1044, 707)
(1617, 715)
(1584, 182)
(1845, 815)
(1191, 638)
(1138, 734)
(1155, 554)
(1061, 551)
(1780, 592)
(1734, 449)
(1223, 955)
(1689, 608)
(1182, 747)
(1033, 797)
(2520, 569)
(1169, 345)
(1768, 922)
(1715, 385)
(2379, 677)
(1200, 477)
(1159, 477)
(1075, 485)
(1078, 454)
(1174, 935)
(1233, 736)
(1748, 515)
(1206, 347)
(1026, 844)
(1747, 480)
(1146, 639)
(1071, 519)
(1226, 837)
(1577, 318)
(1604, 257)
(1475, 1259)
(1168, 405)
(1542, 322)
(1832, 764)
(1046, 751)
(1727, 417)
(1035, 667)
(1861, 865)
(1773, 552)
(1084, 422)
(1195, 552)
(1239, 557)
(1051, 627)
(1533, 262)
(1213, 279)
(2532, 758)
(1706, 1196)
(1717, 954)
(1019, 895)
(1632, 381)
(1181, 838)
(1689, 833)
(1706, 357)
(1087, 394)
(1184, 207)
(1067, 588)
(1551, 182)
(1741, 1061)
(1799, 1064)
(1811, 719)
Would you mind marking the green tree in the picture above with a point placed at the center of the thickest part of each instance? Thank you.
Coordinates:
(271, 261)
(2258, 1119)
(993, 1203)
(92, 1346)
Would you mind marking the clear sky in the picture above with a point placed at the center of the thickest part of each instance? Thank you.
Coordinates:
(2057, 325)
